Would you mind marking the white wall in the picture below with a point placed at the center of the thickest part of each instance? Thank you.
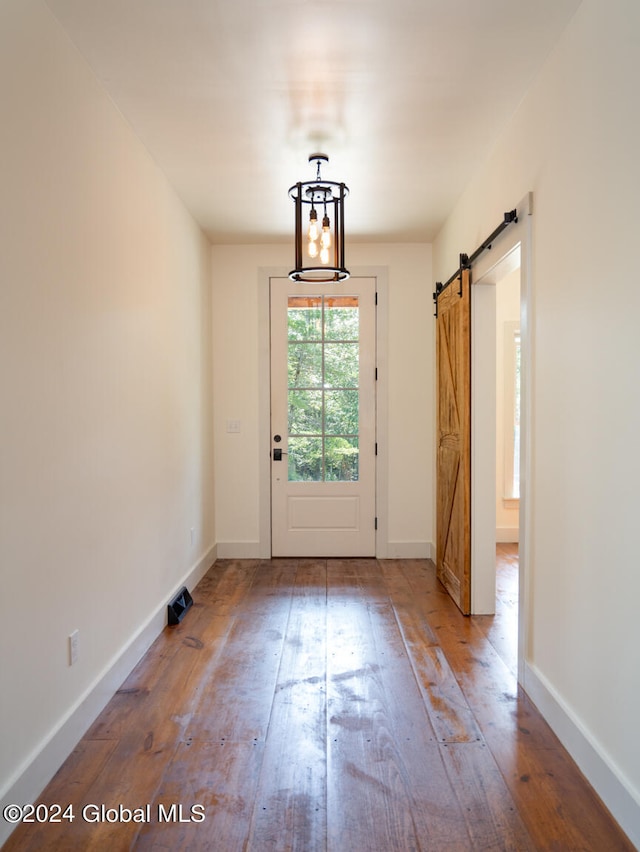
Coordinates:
(507, 310)
(573, 142)
(105, 369)
(239, 334)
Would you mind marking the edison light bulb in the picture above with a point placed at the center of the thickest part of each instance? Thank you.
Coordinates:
(313, 225)
(324, 255)
(325, 240)
(313, 248)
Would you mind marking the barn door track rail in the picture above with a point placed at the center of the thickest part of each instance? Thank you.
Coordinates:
(466, 260)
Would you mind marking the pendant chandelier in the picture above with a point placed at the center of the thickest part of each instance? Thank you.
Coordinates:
(319, 212)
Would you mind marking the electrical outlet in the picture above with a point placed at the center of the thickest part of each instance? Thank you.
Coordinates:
(234, 426)
(73, 647)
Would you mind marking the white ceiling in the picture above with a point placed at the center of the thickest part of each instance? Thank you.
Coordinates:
(231, 96)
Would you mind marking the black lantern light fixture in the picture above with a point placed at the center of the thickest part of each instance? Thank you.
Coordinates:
(319, 233)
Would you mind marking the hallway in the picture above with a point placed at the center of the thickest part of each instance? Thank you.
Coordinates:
(324, 704)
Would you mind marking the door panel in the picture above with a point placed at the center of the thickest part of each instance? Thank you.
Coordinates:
(323, 418)
(454, 441)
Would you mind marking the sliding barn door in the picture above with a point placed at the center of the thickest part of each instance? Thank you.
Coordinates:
(454, 441)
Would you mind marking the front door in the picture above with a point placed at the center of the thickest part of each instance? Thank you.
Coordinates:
(323, 358)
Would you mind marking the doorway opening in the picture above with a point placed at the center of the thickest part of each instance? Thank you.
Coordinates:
(496, 417)
(508, 385)
(501, 453)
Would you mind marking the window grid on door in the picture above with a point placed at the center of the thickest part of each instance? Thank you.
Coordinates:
(323, 388)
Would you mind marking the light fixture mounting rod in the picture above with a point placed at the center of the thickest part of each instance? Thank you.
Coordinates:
(318, 159)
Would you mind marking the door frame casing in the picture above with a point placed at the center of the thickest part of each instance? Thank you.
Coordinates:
(487, 270)
(381, 274)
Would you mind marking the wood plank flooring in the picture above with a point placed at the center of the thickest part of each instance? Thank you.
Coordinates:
(340, 705)
(501, 629)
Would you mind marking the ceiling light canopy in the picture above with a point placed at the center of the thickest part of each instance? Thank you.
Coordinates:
(319, 214)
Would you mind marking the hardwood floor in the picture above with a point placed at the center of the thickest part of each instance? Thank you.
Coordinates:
(307, 705)
(501, 629)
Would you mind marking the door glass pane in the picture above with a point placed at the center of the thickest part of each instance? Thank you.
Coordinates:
(305, 412)
(323, 379)
(341, 412)
(341, 459)
(341, 318)
(341, 365)
(305, 317)
(305, 365)
(305, 459)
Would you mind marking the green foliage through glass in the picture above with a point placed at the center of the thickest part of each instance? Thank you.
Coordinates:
(323, 380)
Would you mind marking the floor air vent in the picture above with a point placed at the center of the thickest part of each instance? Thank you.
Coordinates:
(179, 606)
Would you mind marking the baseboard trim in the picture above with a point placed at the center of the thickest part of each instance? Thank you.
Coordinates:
(606, 779)
(40, 767)
(393, 550)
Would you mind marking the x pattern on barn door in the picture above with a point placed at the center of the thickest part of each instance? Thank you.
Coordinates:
(453, 553)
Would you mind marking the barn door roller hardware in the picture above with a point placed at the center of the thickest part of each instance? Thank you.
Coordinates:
(466, 261)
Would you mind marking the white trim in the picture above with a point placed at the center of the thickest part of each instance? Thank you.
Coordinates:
(483, 452)
(492, 265)
(381, 274)
(604, 776)
(45, 760)
(525, 210)
(264, 405)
